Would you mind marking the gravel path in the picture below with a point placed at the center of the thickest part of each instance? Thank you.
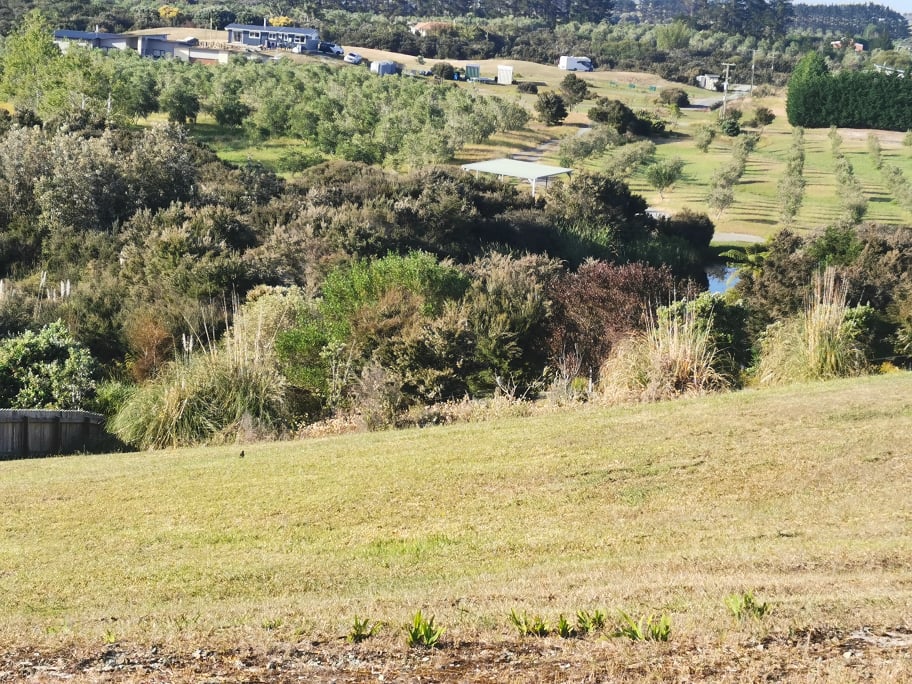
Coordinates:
(737, 237)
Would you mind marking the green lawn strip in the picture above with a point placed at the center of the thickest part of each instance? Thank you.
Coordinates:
(665, 507)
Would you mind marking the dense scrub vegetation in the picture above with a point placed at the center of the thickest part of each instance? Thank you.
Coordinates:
(198, 301)
(677, 51)
(384, 290)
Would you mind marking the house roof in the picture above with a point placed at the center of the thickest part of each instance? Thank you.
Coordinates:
(83, 35)
(293, 30)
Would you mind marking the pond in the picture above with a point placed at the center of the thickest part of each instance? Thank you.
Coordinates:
(722, 277)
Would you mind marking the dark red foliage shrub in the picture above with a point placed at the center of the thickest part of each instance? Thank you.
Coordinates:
(600, 303)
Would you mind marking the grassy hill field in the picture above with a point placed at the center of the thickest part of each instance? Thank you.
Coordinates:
(205, 565)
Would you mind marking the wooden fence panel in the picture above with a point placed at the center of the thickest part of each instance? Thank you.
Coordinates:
(27, 433)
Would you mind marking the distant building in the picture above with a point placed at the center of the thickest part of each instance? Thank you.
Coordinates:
(709, 81)
(155, 46)
(383, 68)
(272, 37)
(429, 28)
(93, 39)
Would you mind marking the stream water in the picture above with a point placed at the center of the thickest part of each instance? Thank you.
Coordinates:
(721, 277)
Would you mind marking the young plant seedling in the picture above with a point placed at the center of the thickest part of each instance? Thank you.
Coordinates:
(422, 633)
(646, 629)
(361, 630)
(745, 605)
(536, 626)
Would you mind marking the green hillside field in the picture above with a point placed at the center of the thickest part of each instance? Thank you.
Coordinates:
(201, 565)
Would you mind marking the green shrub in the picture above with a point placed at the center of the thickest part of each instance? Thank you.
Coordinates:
(443, 70)
(366, 310)
(551, 108)
(46, 370)
(730, 127)
(674, 96)
(703, 136)
(527, 87)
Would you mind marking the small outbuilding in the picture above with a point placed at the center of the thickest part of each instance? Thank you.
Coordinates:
(383, 68)
(504, 74)
(528, 171)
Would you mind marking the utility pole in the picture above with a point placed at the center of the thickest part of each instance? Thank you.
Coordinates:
(727, 65)
(753, 66)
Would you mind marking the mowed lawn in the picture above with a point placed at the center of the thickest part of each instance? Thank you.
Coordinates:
(800, 495)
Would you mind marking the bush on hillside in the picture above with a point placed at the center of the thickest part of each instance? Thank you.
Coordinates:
(46, 370)
(674, 96)
(824, 341)
(443, 70)
(675, 356)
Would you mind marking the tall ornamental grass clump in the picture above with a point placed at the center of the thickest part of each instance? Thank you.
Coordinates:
(223, 391)
(822, 342)
(207, 398)
(674, 356)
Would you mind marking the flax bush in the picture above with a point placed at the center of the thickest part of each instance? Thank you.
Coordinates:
(674, 356)
(824, 341)
(205, 399)
(222, 392)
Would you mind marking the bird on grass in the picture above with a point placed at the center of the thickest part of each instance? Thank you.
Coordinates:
(242, 453)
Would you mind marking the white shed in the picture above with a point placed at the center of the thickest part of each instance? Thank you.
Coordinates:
(504, 74)
(383, 68)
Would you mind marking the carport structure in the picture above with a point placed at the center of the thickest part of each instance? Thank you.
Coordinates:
(528, 171)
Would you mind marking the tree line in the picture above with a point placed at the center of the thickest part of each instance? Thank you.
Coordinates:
(850, 99)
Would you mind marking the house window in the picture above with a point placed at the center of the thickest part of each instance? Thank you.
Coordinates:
(299, 39)
(272, 36)
(255, 34)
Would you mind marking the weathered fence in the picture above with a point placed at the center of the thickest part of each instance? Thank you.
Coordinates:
(26, 433)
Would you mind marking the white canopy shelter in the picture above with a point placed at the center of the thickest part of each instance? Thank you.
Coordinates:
(528, 171)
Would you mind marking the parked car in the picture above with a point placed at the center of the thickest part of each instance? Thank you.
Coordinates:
(331, 49)
(353, 58)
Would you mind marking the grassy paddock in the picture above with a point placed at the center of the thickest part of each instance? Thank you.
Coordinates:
(798, 494)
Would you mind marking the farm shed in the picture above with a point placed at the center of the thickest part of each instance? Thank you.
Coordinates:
(504, 74)
(527, 171)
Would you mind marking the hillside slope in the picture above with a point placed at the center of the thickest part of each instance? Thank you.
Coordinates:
(800, 495)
